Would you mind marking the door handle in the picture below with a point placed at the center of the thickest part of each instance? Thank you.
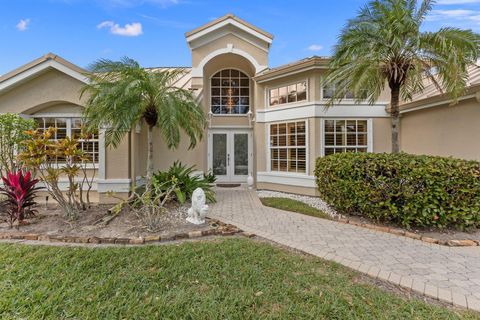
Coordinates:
(228, 159)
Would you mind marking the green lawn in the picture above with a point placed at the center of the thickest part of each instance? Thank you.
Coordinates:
(293, 205)
(222, 279)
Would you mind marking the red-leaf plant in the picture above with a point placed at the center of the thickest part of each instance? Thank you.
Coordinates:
(20, 190)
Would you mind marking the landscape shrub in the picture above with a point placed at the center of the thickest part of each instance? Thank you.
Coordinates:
(20, 190)
(410, 190)
(12, 132)
(185, 181)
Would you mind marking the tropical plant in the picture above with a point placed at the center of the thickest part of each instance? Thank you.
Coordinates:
(122, 94)
(384, 45)
(185, 181)
(20, 190)
(12, 133)
(61, 158)
(149, 206)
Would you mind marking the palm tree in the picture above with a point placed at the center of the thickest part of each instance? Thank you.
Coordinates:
(121, 94)
(384, 45)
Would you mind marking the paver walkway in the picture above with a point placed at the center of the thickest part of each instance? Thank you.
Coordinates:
(449, 274)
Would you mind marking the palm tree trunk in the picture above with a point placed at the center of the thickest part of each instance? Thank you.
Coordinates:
(395, 114)
(148, 183)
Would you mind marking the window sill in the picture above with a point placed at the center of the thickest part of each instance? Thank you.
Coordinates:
(88, 166)
(287, 178)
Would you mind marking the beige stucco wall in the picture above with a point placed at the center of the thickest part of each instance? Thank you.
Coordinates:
(50, 87)
(198, 54)
(382, 135)
(443, 131)
(117, 162)
(163, 157)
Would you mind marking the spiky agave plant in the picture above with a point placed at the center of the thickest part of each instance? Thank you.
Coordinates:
(20, 190)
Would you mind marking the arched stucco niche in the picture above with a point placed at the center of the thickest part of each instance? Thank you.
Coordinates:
(228, 61)
(55, 107)
(222, 62)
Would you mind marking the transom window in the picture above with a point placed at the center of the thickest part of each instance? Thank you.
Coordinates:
(288, 94)
(345, 136)
(230, 92)
(288, 151)
(70, 127)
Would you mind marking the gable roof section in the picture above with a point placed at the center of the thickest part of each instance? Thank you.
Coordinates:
(226, 20)
(314, 62)
(431, 96)
(37, 66)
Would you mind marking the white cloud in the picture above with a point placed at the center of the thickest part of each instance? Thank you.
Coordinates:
(129, 30)
(465, 18)
(22, 25)
(315, 47)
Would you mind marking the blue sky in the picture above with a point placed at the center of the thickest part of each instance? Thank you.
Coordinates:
(152, 31)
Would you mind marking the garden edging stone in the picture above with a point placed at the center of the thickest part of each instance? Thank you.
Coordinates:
(221, 229)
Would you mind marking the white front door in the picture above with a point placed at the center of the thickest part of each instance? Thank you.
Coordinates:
(230, 154)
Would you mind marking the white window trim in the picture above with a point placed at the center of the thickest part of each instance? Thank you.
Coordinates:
(319, 111)
(307, 155)
(369, 133)
(288, 179)
(268, 89)
(250, 95)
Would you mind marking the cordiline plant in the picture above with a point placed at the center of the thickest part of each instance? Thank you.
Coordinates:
(20, 189)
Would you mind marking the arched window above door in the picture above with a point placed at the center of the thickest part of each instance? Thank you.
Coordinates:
(230, 92)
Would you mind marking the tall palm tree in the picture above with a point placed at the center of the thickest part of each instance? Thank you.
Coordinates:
(384, 45)
(122, 93)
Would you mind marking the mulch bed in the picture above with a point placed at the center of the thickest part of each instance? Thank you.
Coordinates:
(126, 228)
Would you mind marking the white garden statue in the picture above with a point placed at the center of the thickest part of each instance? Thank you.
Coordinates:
(198, 210)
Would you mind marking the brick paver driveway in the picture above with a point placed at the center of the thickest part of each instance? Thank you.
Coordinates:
(449, 274)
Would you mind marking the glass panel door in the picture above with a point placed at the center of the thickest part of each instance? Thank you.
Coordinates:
(240, 154)
(229, 157)
(219, 154)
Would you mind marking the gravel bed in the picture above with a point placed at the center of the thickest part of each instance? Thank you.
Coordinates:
(315, 202)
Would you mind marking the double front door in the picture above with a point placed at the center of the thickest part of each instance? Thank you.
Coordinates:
(230, 154)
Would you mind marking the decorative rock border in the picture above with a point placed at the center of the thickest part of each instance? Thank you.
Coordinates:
(412, 235)
(220, 229)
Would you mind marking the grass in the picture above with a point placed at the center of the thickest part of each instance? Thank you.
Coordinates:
(293, 205)
(228, 279)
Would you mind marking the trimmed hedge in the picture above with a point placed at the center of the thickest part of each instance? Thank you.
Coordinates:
(410, 190)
